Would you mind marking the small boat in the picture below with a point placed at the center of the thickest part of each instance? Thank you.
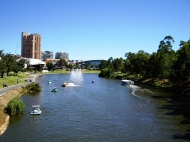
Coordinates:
(54, 90)
(49, 82)
(93, 81)
(127, 82)
(36, 110)
(64, 84)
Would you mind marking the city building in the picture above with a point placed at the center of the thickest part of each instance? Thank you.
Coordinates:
(90, 64)
(46, 54)
(32, 62)
(31, 45)
(53, 61)
(62, 55)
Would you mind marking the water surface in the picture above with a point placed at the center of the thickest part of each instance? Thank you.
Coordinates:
(100, 111)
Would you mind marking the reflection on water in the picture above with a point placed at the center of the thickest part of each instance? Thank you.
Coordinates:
(100, 111)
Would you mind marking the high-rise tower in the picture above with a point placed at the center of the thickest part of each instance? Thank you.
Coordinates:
(31, 45)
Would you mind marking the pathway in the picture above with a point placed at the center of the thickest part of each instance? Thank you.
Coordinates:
(3, 90)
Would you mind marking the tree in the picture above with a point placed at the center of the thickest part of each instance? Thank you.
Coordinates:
(130, 63)
(10, 63)
(70, 66)
(105, 73)
(181, 66)
(62, 62)
(165, 57)
(110, 64)
(118, 64)
(142, 63)
(50, 66)
(103, 64)
(166, 44)
(3, 68)
(21, 63)
(39, 67)
(152, 70)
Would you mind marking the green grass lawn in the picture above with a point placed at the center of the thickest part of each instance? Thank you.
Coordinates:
(12, 80)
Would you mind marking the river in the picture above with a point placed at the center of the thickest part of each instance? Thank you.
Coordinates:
(100, 111)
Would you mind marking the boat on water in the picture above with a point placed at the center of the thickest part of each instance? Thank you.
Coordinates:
(93, 81)
(64, 84)
(49, 82)
(127, 82)
(36, 110)
(54, 90)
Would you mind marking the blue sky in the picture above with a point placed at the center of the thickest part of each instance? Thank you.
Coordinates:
(94, 29)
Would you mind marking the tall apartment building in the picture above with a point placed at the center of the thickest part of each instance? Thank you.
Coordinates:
(46, 54)
(31, 45)
(62, 55)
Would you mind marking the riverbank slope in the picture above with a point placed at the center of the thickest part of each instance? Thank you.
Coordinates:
(4, 99)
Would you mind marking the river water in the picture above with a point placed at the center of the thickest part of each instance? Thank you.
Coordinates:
(100, 111)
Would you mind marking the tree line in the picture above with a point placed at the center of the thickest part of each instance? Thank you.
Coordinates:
(8, 63)
(163, 64)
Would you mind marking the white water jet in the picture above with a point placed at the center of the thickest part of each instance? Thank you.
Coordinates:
(76, 75)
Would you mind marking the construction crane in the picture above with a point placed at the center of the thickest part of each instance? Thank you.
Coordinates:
(16, 49)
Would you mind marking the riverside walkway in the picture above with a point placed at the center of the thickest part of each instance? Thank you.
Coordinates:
(6, 89)
(3, 90)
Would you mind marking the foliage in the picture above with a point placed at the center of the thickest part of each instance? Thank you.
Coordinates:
(103, 64)
(50, 66)
(3, 67)
(62, 62)
(12, 79)
(8, 63)
(32, 87)
(165, 64)
(39, 67)
(15, 106)
(105, 73)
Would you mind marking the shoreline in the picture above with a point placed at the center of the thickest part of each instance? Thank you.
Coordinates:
(4, 99)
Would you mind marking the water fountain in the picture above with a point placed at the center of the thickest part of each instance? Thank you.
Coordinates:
(76, 76)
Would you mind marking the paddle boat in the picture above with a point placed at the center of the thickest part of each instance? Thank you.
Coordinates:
(64, 84)
(49, 82)
(54, 90)
(36, 110)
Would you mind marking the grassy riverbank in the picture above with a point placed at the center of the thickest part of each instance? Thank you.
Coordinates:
(8, 96)
(182, 88)
(4, 99)
(20, 77)
(13, 79)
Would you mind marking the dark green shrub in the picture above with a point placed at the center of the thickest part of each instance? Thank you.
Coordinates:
(15, 106)
(105, 73)
(33, 87)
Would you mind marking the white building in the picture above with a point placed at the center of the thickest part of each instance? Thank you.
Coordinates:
(32, 62)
